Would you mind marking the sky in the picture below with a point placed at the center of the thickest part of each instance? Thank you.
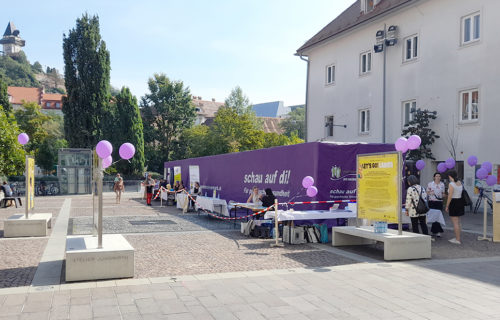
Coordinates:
(212, 46)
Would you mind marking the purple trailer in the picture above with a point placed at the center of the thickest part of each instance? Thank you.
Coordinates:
(332, 165)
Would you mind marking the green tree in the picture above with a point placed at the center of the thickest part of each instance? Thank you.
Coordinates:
(166, 110)
(12, 154)
(47, 155)
(17, 71)
(420, 125)
(192, 143)
(37, 67)
(4, 96)
(128, 128)
(32, 121)
(295, 123)
(238, 101)
(86, 73)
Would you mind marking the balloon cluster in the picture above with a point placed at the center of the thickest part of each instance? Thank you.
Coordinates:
(104, 150)
(448, 164)
(412, 143)
(307, 183)
(483, 173)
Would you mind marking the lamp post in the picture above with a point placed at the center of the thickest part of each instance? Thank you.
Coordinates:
(386, 37)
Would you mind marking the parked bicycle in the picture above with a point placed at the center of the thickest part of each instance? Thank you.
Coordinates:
(482, 195)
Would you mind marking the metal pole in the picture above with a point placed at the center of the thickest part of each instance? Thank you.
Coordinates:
(384, 87)
(99, 192)
(400, 197)
(26, 190)
(276, 226)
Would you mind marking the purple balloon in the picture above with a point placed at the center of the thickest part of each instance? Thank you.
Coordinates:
(450, 163)
(441, 167)
(23, 138)
(104, 149)
(491, 180)
(401, 144)
(127, 150)
(307, 182)
(420, 164)
(312, 191)
(106, 162)
(481, 173)
(472, 160)
(414, 142)
(487, 165)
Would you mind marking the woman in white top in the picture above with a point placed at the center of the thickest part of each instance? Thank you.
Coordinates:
(455, 204)
(435, 191)
(254, 197)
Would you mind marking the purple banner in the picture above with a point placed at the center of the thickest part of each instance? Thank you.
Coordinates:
(332, 165)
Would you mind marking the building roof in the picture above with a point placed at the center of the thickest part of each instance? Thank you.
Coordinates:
(20, 94)
(272, 125)
(52, 97)
(9, 31)
(270, 109)
(206, 108)
(350, 18)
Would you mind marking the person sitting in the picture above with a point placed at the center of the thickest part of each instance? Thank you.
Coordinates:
(268, 198)
(7, 191)
(196, 192)
(181, 186)
(254, 197)
(176, 186)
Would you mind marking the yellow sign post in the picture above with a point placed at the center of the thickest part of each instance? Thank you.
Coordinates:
(30, 185)
(379, 187)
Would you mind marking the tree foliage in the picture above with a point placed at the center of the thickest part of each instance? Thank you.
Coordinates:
(167, 110)
(420, 125)
(4, 96)
(295, 123)
(128, 127)
(87, 79)
(238, 101)
(11, 152)
(17, 71)
(32, 121)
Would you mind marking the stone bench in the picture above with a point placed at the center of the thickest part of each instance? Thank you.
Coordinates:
(35, 226)
(407, 246)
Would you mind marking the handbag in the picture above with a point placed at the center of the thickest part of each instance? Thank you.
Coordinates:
(465, 197)
(422, 207)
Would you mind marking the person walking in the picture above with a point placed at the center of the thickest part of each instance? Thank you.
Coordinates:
(435, 191)
(118, 187)
(413, 194)
(149, 183)
(455, 204)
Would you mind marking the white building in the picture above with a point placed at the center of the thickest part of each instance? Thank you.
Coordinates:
(445, 59)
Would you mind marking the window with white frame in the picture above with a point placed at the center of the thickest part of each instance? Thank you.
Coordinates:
(469, 105)
(367, 5)
(471, 28)
(408, 107)
(330, 74)
(365, 62)
(410, 48)
(364, 121)
(329, 126)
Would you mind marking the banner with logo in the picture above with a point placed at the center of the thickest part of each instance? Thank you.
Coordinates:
(379, 186)
(332, 165)
(177, 174)
(194, 176)
(30, 183)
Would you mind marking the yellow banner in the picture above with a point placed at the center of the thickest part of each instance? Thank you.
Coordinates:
(379, 187)
(30, 183)
(177, 174)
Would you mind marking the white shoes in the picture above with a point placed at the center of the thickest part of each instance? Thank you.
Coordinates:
(454, 241)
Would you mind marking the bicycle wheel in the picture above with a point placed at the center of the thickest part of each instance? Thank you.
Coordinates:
(477, 204)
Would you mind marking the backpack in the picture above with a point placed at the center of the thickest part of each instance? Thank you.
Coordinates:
(422, 207)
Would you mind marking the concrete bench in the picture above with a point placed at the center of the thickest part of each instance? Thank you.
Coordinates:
(407, 246)
(3, 203)
(35, 226)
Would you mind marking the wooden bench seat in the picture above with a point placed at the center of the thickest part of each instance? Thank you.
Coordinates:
(3, 203)
(409, 245)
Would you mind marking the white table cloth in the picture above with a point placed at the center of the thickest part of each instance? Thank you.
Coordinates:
(212, 204)
(434, 215)
(310, 215)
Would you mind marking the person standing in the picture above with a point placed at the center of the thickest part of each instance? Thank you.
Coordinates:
(435, 191)
(413, 194)
(455, 204)
(149, 183)
(118, 187)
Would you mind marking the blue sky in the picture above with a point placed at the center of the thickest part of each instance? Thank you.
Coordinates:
(212, 46)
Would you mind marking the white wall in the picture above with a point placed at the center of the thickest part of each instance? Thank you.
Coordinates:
(443, 68)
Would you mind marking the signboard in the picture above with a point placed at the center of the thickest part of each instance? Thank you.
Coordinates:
(177, 174)
(379, 186)
(194, 176)
(30, 184)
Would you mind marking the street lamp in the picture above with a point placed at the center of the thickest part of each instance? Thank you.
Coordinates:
(386, 37)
